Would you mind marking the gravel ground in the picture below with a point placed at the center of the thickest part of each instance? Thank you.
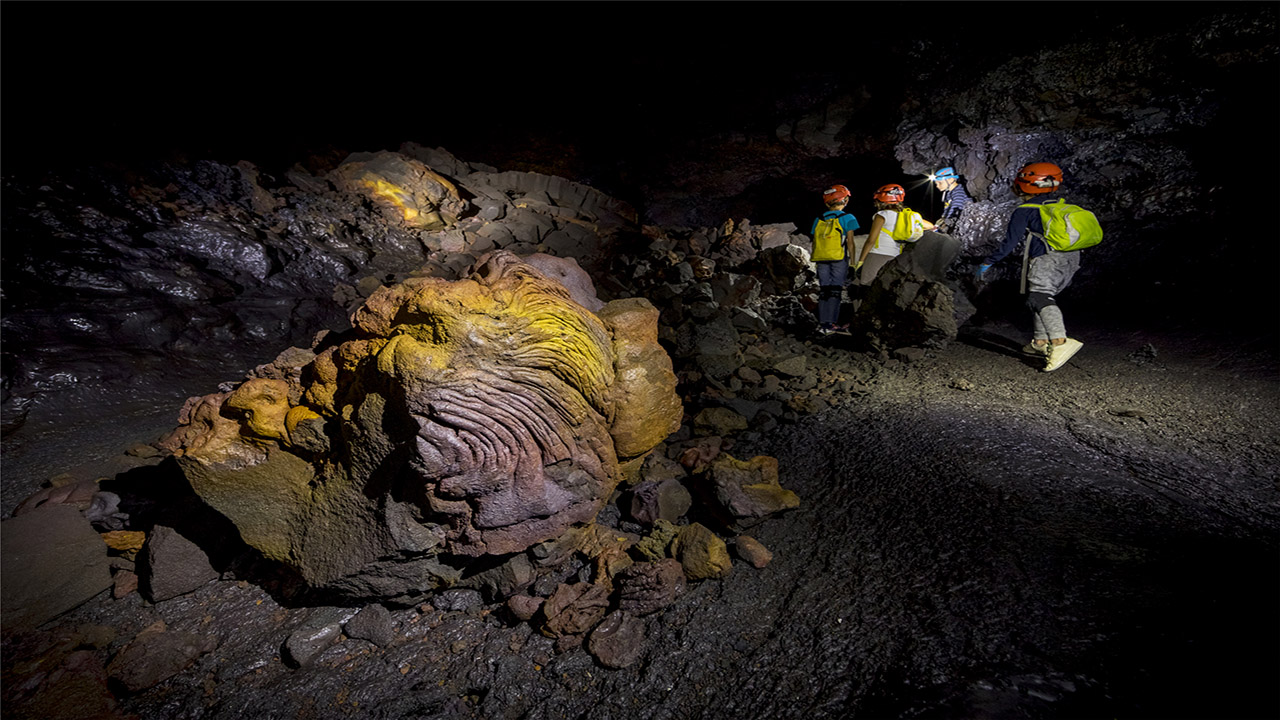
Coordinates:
(976, 539)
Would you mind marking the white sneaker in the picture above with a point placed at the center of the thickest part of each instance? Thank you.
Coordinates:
(1060, 354)
(1034, 349)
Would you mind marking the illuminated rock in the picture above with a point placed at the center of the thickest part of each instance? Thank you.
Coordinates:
(748, 491)
(701, 552)
(457, 419)
(407, 192)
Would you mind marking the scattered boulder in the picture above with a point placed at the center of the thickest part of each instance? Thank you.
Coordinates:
(655, 545)
(648, 587)
(749, 491)
(53, 561)
(667, 500)
(618, 641)
(524, 607)
(752, 551)
(173, 565)
(321, 629)
(718, 421)
(574, 608)
(407, 192)
(702, 554)
(372, 623)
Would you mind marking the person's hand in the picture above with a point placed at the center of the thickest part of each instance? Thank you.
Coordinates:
(982, 270)
(857, 264)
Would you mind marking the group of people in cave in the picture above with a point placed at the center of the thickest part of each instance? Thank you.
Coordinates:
(1047, 267)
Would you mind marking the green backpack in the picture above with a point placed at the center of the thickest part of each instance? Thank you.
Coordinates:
(908, 227)
(1067, 227)
(828, 239)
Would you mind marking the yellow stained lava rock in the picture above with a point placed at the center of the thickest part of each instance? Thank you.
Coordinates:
(701, 553)
(124, 541)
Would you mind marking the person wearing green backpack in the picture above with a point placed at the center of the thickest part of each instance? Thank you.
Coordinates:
(1054, 233)
(832, 247)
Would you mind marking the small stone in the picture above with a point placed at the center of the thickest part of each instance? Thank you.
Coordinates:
(792, 367)
(909, 354)
(962, 384)
(574, 608)
(718, 421)
(648, 587)
(524, 607)
(752, 551)
(173, 565)
(618, 641)
(320, 630)
(125, 542)
(701, 553)
(373, 623)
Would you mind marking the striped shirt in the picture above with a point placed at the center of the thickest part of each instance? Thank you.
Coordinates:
(954, 200)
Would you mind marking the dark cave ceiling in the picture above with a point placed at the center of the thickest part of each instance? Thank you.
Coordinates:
(271, 81)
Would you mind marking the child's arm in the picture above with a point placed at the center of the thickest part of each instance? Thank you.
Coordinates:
(876, 224)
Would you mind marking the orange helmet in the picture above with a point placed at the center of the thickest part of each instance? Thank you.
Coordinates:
(892, 193)
(835, 193)
(1038, 178)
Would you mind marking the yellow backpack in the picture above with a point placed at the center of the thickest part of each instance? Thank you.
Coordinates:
(828, 239)
(909, 226)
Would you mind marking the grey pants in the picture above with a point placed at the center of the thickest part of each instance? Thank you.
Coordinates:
(1047, 276)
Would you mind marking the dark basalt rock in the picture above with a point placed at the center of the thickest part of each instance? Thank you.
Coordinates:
(372, 623)
(618, 641)
(173, 565)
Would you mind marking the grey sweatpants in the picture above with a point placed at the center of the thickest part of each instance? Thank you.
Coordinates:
(1050, 274)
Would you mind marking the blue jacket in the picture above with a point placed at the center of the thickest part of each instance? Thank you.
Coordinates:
(1022, 220)
(954, 200)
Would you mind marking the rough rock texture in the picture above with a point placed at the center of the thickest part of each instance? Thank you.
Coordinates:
(157, 654)
(53, 561)
(748, 490)
(469, 418)
(701, 553)
(173, 565)
(650, 586)
(618, 641)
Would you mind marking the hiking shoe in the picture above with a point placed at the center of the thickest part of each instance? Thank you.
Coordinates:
(840, 329)
(1062, 353)
(1037, 350)
(825, 330)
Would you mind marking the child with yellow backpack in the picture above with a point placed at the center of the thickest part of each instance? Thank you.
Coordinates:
(832, 247)
(892, 227)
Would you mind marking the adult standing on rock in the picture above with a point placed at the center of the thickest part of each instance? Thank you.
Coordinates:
(1045, 272)
(832, 247)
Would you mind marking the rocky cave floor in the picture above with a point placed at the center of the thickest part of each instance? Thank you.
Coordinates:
(976, 539)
